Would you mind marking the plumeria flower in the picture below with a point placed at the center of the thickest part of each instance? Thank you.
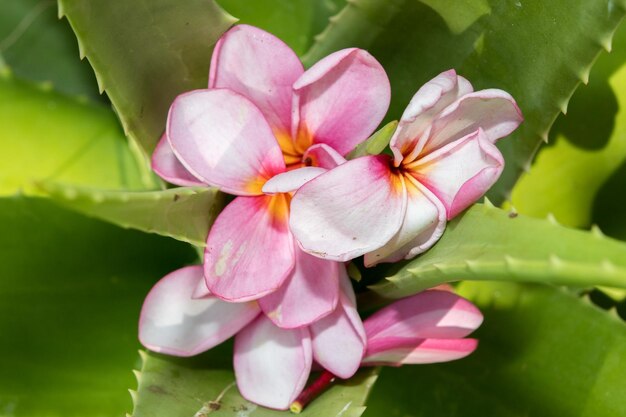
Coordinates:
(429, 327)
(261, 116)
(272, 364)
(393, 208)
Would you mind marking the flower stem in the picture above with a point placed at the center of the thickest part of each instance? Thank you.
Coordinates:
(312, 392)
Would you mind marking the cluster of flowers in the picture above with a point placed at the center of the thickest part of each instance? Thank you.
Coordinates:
(275, 136)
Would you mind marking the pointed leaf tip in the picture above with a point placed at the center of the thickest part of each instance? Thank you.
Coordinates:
(597, 232)
(133, 395)
(552, 219)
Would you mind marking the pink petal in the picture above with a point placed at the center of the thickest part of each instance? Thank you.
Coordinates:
(290, 181)
(348, 302)
(310, 293)
(201, 291)
(272, 364)
(418, 351)
(350, 210)
(322, 155)
(461, 172)
(424, 223)
(430, 99)
(429, 314)
(339, 339)
(249, 251)
(346, 290)
(174, 323)
(168, 167)
(494, 111)
(259, 66)
(341, 99)
(336, 344)
(224, 140)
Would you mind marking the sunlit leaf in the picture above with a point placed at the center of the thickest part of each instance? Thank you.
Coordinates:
(48, 136)
(486, 243)
(589, 147)
(183, 213)
(376, 143)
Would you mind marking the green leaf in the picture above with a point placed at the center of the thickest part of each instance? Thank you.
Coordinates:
(538, 51)
(486, 243)
(70, 293)
(145, 53)
(294, 21)
(358, 23)
(184, 213)
(609, 205)
(589, 146)
(542, 352)
(39, 47)
(203, 385)
(376, 143)
(616, 294)
(48, 136)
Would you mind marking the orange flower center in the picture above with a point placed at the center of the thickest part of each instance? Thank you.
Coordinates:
(278, 206)
(294, 148)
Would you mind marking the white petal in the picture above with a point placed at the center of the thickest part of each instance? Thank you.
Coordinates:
(272, 364)
(173, 322)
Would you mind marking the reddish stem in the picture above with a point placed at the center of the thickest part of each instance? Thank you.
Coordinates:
(312, 392)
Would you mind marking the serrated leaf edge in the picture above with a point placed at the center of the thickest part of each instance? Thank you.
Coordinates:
(143, 356)
(65, 194)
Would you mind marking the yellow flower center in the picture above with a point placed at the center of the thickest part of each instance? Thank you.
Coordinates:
(294, 148)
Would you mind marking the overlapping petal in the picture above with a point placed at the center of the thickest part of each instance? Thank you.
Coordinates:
(423, 224)
(461, 172)
(249, 252)
(201, 290)
(429, 314)
(173, 322)
(310, 293)
(494, 111)
(290, 181)
(259, 66)
(432, 98)
(417, 351)
(322, 155)
(224, 140)
(350, 210)
(262, 111)
(168, 167)
(339, 340)
(341, 99)
(272, 364)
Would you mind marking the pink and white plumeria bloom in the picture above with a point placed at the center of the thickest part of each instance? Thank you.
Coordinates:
(393, 208)
(272, 364)
(428, 327)
(261, 116)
